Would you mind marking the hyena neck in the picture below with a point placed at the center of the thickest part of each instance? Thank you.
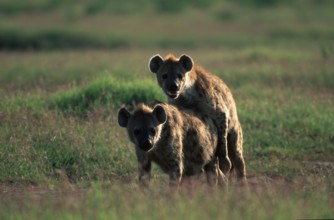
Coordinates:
(188, 97)
(161, 129)
(164, 136)
(190, 80)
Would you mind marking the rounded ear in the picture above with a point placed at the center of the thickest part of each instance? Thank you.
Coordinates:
(155, 63)
(186, 62)
(160, 114)
(123, 117)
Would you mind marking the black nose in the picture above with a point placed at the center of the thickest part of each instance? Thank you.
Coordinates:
(145, 145)
(174, 87)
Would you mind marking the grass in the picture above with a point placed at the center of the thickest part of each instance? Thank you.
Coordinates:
(50, 150)
(107, 91)
(62, 154)
(114, 203)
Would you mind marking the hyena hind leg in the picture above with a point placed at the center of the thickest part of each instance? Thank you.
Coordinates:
(235, 152)
(215, 176)
(225, 164)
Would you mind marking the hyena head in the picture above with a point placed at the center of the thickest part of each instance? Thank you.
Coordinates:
(171, 73)
(144, 125)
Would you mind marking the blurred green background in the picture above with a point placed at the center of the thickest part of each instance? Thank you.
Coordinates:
(55, 24)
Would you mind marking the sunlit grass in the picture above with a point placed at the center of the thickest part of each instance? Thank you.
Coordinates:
(108, 91)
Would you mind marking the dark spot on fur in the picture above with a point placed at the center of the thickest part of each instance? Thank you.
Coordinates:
(199, 156)
(192, 132)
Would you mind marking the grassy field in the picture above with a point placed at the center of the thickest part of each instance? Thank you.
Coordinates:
(66, 70)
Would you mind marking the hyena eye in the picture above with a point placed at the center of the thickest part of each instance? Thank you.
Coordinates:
(151, 131)
(179, 75)
(164, 76)
(136, 132)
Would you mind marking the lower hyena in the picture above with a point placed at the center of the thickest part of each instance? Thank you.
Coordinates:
(189, 86)
(179, 142)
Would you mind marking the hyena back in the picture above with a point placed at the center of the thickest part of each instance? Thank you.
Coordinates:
(189, 86)
(180, 143)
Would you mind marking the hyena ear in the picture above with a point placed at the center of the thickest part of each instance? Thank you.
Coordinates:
(160, 114)
(186, 62)
(155, 63)
(123, 117)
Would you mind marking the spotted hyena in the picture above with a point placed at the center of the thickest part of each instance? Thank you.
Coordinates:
(191, 87)
(179, 142)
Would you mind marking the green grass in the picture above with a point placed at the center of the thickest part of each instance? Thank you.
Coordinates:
(288, 128)
(122, 203)
(48, 146)
(107, 91)
(63, 155)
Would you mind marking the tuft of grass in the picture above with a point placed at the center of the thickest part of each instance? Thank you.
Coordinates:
(107, 91)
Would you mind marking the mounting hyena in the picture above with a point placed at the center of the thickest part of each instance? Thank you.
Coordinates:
(189, 86)
(179, 142)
